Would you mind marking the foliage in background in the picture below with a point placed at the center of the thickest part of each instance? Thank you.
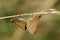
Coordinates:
(49, 26)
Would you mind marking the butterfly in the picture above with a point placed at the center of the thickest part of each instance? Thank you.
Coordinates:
(30, 24)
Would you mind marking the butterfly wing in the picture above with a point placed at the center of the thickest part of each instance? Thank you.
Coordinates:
(21, 23)
(33, 24)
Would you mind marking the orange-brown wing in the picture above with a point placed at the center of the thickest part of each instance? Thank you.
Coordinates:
(32, 25)
(20, 23)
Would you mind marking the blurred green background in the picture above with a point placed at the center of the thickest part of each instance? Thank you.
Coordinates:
(49, 26)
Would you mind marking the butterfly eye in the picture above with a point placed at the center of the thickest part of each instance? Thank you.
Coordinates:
(20, 22)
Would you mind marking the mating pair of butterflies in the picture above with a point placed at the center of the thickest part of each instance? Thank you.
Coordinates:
(29, 23)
